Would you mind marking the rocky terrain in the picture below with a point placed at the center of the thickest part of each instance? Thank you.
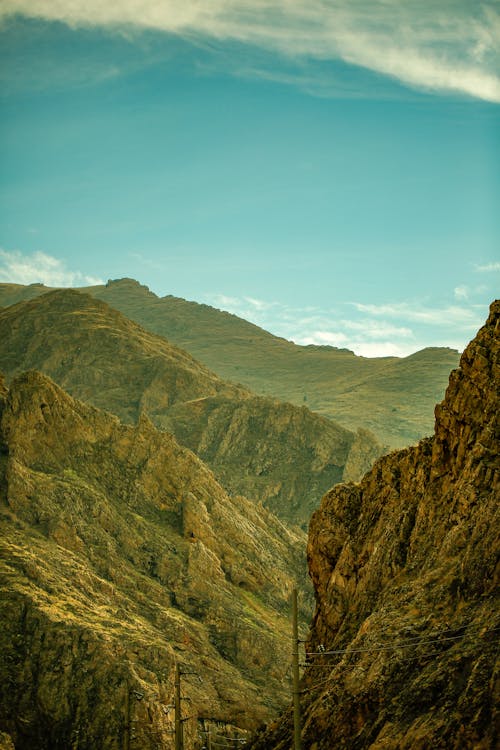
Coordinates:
(280, 454)
(393, 398)
(121, 557)
(403, 650)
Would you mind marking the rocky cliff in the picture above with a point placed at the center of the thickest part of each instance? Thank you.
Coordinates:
(403, 650)
(121, 557)
(280, 454)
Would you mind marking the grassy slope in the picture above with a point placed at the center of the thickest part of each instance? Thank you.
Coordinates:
(393, 397)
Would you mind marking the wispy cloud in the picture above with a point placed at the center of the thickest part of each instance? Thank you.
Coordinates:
(260, 304)
(325, 338)
(19, 268)
(488, 267)
(432, 45)
(466, 316)
(369, 330)
(461, 292)
(377, 329)
(249, 306)
(366, 337)
(145, 261)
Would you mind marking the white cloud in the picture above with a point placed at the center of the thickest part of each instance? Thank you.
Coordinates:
(369, 337)
(325, 338)
(377, 329)
(18, 268)
(383, 349)
(488, 267)
(426, 44)
(391, 329)
(144, 261)
(259, 304)
(468, 317)
(231, 304)
(461, 292)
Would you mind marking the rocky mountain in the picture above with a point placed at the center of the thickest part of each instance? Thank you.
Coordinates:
(122, 557)
(283, 455)
(403, 649)
(394, 398)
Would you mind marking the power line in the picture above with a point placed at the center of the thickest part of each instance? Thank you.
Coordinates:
(398, 645)
(331, 668)
(469, 631)
(316, 685)
(221, 736)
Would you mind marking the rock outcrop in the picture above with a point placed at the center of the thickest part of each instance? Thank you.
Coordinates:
(280, 454)
(403, 649)
(120, 557)
(362, 455)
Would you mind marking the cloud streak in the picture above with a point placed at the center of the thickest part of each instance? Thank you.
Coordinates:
(438, 46)
(488, 267)
(19, 268)
(468, 318)
(369, 330)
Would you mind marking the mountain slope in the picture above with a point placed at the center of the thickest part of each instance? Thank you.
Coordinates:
(280, 454)
(120, 557)
(392, 397)
(403, 650)
(101, 356)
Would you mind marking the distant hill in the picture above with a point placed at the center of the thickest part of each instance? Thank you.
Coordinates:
(120, 557)
(394, 398)
(279, 454)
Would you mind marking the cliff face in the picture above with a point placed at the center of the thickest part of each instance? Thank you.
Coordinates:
(280, 454)
(405, 569)
(120, 557)
(100, 356)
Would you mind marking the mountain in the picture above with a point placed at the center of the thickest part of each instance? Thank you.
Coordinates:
(122, 557)
(393, 398)
(403, 649)
(282, 455)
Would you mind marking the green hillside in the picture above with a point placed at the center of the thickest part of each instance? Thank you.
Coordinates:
(393, 397)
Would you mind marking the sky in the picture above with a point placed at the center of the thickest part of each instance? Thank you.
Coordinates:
(327, 169)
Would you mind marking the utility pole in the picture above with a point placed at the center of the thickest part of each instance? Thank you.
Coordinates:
(177, 708)
(126, 734)
(295, 671)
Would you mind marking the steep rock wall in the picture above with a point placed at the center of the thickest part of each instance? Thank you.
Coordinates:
(403, 649)
(121, 556)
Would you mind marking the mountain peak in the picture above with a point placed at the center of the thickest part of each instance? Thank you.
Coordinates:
(128, 283)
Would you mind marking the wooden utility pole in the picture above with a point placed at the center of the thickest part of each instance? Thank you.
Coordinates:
(177, 708)
(126, 734)
(295, 670)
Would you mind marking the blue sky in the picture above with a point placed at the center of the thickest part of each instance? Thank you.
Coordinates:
(328, 170)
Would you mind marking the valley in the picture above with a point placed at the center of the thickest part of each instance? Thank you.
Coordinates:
(154, 517)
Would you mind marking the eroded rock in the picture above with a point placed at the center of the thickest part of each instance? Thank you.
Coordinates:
(403, 650)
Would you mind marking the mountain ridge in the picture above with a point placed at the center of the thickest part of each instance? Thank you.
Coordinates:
(282, 454)
(323, 378)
